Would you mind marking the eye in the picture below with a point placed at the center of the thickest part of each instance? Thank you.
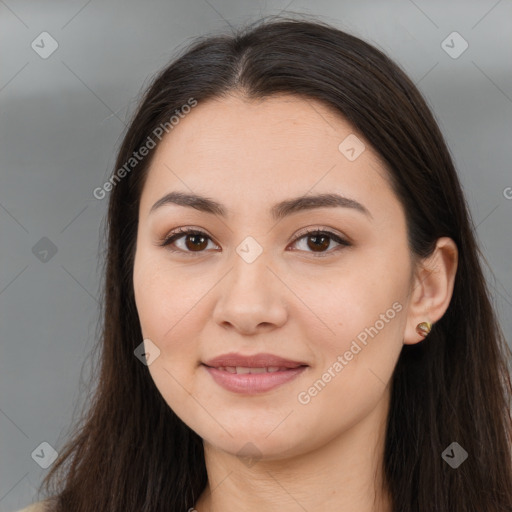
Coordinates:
(319, 240)
(193, 240)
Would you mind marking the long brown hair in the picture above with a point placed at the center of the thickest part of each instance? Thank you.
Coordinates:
(130, 452)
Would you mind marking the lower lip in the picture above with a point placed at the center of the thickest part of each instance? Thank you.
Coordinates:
(250, 383)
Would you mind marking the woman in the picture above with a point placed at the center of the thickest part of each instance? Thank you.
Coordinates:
(295, 313)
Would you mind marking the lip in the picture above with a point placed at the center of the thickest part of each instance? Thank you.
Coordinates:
(252, 361)
(253, 383)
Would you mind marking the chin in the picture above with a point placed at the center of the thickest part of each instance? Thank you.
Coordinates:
(256, 444)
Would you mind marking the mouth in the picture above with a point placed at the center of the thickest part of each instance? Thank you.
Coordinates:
(253, 380)
(255, 363)
(240, 370)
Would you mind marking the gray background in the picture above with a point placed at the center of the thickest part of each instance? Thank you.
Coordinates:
(62, 119)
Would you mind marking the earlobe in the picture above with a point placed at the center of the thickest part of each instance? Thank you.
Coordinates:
(432, 290)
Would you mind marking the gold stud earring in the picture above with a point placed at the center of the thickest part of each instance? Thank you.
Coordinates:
(423, 328)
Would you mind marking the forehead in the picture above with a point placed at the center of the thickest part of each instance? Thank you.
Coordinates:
(264, 149)
(288, 127)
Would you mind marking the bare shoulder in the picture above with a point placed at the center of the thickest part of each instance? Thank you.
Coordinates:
(35, 507)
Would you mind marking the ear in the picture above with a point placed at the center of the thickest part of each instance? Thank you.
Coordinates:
(431, 288)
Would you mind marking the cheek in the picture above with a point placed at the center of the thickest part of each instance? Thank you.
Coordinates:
(359, 338)
(162, 306)
(163, 296)
(365, 292)
(356, 365)
(152, 299)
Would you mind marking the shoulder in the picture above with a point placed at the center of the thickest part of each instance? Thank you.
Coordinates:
(35, 507)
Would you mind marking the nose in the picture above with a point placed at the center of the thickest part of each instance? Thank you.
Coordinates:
(251, 298)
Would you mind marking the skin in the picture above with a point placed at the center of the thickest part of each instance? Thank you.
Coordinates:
(248, 155)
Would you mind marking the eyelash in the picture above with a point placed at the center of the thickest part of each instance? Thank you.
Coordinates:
(182, 232)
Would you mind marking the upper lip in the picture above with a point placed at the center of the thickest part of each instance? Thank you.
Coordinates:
(252, 361)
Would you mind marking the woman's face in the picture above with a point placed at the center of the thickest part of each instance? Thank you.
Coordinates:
(256, 283)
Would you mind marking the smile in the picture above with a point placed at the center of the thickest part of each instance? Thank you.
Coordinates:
(245, 380)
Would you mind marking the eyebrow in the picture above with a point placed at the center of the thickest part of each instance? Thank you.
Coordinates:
(277, 212)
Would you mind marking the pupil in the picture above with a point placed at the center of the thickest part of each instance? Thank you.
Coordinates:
(196, 245)
(316, 239)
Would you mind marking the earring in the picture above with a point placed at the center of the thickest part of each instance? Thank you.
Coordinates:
(423, 328)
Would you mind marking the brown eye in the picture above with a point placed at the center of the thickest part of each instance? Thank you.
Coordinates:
(318, 242)
(196, 242)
